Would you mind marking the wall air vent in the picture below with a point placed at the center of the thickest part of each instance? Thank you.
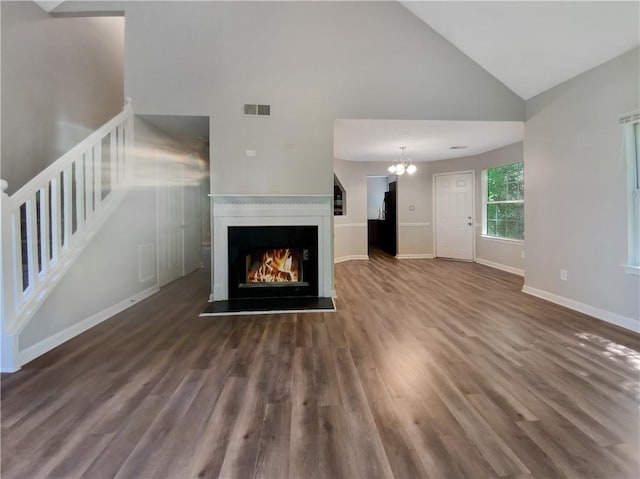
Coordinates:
(251, 109)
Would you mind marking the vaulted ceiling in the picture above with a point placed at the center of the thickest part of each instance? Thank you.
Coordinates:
(533, 46)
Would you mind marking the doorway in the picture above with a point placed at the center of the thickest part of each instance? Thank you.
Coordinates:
(382, 225)
(179, 221)
(179, 148)
(453, 199)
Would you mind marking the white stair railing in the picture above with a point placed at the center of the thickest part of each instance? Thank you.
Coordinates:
(47, 222)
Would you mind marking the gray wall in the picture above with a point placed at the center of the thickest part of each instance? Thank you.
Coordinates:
(575, 191)
(313, 62)
(61, 79)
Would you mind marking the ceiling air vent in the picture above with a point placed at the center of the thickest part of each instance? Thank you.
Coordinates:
(251, 109)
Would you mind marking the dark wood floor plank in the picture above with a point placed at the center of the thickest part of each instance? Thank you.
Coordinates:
(210, 452)
(111, 458)
(496, 452)
(534, 458)
(367, 451)
(335, 445)
(428, 369)
(273, 446)
(401, 456)
(304, 454)
(147, 452)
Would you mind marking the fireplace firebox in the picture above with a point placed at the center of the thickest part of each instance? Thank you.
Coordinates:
(273, 261)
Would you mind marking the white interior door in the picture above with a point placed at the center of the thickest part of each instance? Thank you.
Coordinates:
(191, 224)
(169, 201)
(454, 230)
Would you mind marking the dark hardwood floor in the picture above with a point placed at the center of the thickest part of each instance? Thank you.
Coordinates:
(429, 369)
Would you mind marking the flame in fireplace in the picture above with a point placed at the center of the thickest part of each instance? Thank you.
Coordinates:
(277, 266)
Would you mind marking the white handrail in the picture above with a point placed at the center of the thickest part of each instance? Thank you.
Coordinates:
(46, 220)
(78, 150)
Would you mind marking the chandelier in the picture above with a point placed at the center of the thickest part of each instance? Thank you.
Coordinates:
(403, 166)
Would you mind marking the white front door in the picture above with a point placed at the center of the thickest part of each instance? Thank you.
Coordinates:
(454, 232)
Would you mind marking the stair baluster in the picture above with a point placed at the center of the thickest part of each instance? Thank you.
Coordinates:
(47, 222)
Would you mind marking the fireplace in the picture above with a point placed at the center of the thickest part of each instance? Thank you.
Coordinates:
(259, 239)
(272, 261)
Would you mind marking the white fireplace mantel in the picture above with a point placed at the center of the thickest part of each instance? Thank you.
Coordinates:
(269, 210)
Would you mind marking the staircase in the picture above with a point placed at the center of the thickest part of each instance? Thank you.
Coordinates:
(48, 222)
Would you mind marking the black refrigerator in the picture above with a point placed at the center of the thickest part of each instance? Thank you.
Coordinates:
(389, 226)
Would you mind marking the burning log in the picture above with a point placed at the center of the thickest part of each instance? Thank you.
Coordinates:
(277, 266)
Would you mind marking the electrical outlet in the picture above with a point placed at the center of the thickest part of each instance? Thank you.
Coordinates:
(522, 254)
(563, 274)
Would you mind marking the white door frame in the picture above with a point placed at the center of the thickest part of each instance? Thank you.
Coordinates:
(473, 208)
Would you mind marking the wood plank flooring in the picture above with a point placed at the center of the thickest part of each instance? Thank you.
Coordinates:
(429, 369)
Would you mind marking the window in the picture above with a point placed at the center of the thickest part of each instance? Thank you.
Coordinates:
(503, 201)
(632, 148)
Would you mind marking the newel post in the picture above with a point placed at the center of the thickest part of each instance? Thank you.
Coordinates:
(9, 341)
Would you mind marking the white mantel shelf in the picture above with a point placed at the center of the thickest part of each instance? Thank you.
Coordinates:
(214, 195)
(270, 210)
(270, 199)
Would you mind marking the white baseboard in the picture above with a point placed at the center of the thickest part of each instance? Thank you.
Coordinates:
(502, 267)
(76, 246)
(602, 314)
(57, 339)
(350, 257)
(415, 256)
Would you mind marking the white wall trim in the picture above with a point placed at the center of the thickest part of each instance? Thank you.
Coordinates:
(500, 266)
(415, 256)
(513, 242)
(417, 225)
(63, 336)
(350, 257)
(598, 313)
(350, 225)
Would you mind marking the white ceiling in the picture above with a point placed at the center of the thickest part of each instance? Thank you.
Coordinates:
(533, 46)
(191, 131)
(426, 140)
